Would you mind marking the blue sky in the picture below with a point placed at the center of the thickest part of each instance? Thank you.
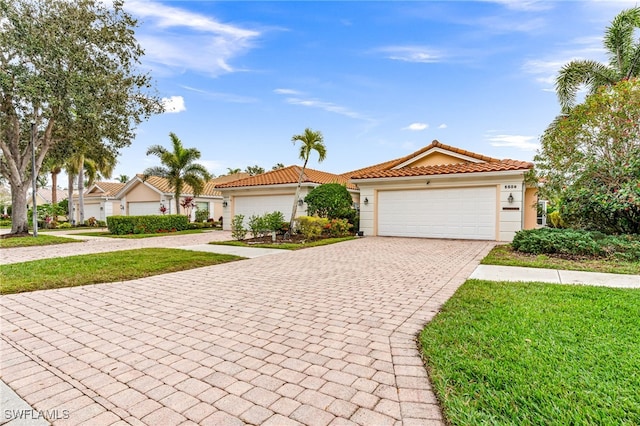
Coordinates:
(379, 79)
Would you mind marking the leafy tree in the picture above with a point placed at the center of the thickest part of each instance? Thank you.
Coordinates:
(330, 200)
(590, 160)
(310, 141)
(71, 68)
(179, 168)
(254, 170)
(278, 166)
(624, 61)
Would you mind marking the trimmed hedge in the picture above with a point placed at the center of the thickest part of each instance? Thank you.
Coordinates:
(577, 243)
(151, 224)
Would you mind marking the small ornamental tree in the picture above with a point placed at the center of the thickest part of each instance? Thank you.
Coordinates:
(590, 161)
(330, 200)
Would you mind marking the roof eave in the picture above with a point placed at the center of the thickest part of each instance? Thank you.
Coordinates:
(442, 176)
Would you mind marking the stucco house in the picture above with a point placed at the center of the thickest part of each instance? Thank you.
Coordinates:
(441, 191)
(274, 191)
(142, 196)
(100, 200)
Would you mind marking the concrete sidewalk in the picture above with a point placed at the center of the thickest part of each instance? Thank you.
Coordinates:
(557, 276)
(248, 252)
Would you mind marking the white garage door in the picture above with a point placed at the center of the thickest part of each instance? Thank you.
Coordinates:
(93, 210)
(465, 213)
(142, 209)
(259, 205)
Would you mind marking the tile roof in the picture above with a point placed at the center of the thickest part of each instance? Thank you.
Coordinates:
(487, 164)
(104, 189)
(162, 185)
(289, 175)
(47, 194)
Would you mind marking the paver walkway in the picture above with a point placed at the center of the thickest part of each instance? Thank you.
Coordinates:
(318, 336)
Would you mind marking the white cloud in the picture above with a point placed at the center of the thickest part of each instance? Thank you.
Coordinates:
(174, 104)
(514, 141)
(420, 54)
(442, 126)
(329, 107)
(416, 127)
(202, 44)
(287, 92)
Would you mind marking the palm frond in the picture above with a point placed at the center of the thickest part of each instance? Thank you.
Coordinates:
(579, 73)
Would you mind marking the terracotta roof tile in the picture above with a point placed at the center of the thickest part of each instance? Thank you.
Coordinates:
(162, 185)
(288, 175)
(445, 169)
(104, 189)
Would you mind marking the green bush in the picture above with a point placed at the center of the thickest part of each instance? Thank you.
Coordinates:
(273, 221)
(238, 231)
(202, 215)
(554, 220)
(5, 222)
(123, 225)
(64, 225)
(577, 243)
(257, 225)
(330, 200)
(311, 227)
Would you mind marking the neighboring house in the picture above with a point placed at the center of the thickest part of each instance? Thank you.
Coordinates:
(274, 191)
(142, 196)
(45, 196)
(100, 201)
(441, 191)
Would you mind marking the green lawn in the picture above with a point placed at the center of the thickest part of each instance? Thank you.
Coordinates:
(532, 353)
(40, 240)
(101, 268)
(505, 255)
(286, 246)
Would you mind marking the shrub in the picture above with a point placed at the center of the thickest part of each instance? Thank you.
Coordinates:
(311, 227)
(554, 220)
(122, 225)
(238, 231)
(338, 227)
(202, 215)
(330, 200)
(256, 225)
(577, 243)
(64, 225)
(273, 221)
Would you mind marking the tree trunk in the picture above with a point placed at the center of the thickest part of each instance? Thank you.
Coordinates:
(81, 195)
(19, 220)
(294, 210)
(70, 216)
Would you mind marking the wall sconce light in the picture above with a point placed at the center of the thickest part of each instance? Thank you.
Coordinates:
(366, 201)
(225, 204)
(101, 208)
(428, 182)
(122, 207)
(510, 198)
(300, 202)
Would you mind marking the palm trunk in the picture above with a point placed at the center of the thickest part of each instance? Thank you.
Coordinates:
(70, 216)
(81, 195)
(294, 210)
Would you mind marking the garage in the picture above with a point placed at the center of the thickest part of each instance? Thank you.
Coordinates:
(460, 213)
(261, 204)
(93, 210)
(144, 208)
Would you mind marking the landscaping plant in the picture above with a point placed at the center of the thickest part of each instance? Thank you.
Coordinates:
(238, 231)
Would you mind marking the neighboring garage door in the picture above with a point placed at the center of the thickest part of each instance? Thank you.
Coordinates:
(259, 205)
(148, 208)
(465, 213)
(93, 210)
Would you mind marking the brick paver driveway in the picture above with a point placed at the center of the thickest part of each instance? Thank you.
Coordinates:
(319, 336)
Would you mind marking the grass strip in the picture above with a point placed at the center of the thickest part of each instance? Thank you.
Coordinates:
(533, 353)
(285, 246)
(505, 255)
(40, 240)
(102, 268)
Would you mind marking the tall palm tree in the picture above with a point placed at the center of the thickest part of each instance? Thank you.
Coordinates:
(231, 171)
(311, 141)
(179, 168)
(624, 61)
(123, 178)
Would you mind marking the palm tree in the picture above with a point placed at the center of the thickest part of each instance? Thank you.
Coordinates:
(123, 178)
(278, 166)
(624, 61)
(311, 141)
(92, 165)
(231, 171)
(179, 168)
